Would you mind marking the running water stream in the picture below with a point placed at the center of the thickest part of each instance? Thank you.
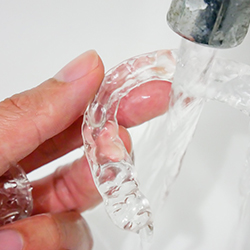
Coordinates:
(186, 102)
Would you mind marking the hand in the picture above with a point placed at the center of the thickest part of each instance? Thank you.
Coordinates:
(44, 123)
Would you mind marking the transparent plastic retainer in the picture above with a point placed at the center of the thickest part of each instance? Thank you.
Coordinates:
(15, 196)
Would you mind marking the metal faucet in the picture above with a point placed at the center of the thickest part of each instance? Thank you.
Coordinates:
(215, 23)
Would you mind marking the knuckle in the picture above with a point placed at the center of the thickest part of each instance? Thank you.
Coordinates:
(18, 106)
(22, 108)
(23, 103)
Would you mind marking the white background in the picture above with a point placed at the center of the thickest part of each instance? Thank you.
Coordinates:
(37, 38)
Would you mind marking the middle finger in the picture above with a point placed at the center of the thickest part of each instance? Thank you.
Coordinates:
(71, 187)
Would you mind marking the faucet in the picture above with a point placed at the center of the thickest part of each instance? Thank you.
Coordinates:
(214, 23)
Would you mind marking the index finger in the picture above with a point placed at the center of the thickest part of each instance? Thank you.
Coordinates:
(30, 118)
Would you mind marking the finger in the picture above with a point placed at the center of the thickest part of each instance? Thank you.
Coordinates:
(54, 148)
(47, 231)
(70, 187)
(30, 118)
(144, 103)
(141, 104)
(108, 146)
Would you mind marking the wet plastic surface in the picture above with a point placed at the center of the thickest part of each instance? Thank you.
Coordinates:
(114, 173)
(15, 196)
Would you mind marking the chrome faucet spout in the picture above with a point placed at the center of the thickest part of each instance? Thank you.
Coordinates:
(215, 23)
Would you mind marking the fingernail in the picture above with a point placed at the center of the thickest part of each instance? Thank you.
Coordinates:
(10, 240)
(79, 67)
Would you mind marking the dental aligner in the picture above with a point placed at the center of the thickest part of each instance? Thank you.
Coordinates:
(115, 175)
(15, 195)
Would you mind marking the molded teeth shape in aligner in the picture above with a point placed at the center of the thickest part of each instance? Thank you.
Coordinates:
(113, 170)
(15, 196)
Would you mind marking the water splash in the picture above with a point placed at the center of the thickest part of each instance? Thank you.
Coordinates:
(186, 103)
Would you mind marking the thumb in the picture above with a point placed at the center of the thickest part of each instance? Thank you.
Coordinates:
(47, 231)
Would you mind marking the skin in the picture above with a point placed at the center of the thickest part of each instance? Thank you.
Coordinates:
(49, 119)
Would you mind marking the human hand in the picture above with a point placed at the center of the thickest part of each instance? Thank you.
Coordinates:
(44, 123)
